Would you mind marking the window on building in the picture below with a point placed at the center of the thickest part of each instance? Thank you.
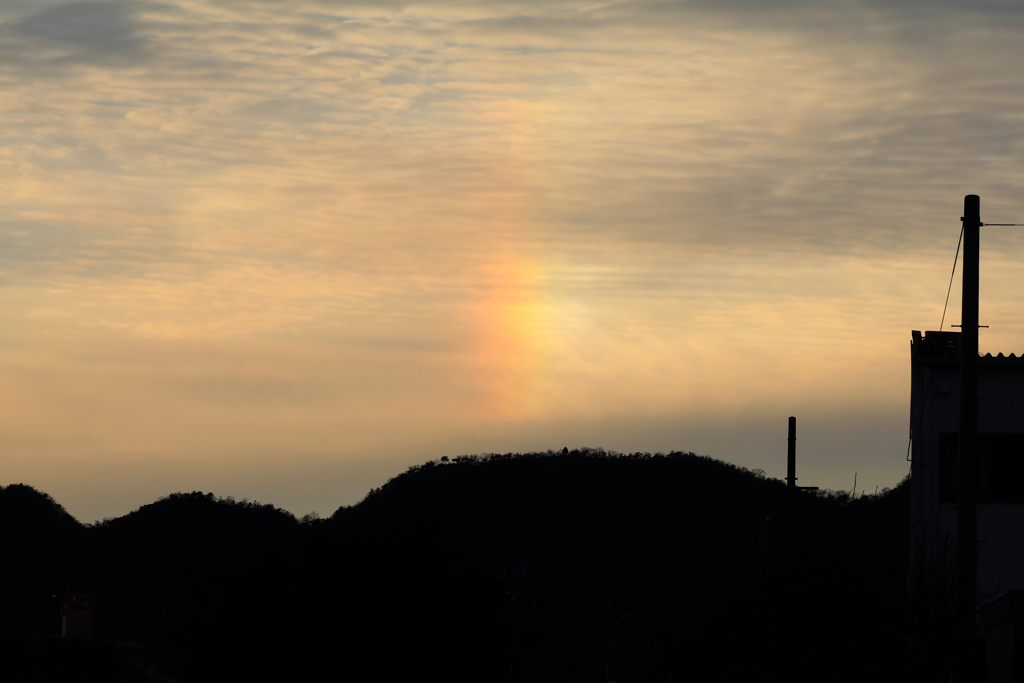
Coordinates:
(1000, 468)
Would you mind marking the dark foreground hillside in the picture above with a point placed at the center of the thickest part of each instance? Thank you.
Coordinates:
(580, 566)
(637, 566)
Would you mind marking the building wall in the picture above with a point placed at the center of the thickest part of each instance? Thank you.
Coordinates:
(935, 407)
(77, 617)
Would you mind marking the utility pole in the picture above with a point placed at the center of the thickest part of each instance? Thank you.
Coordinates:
(967, 488)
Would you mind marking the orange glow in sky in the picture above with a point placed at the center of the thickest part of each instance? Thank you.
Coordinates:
(509, 318)
(285, 250)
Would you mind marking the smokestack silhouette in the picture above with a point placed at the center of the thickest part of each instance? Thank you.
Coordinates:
(788, 540)
(791, 460)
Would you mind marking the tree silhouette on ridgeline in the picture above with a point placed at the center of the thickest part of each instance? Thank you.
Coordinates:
(556, 566)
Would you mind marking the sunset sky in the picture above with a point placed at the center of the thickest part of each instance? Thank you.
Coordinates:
(282, 250)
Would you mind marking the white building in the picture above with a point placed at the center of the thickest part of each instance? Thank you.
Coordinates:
(934, 423)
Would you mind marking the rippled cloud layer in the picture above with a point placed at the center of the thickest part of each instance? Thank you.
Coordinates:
(283, 250)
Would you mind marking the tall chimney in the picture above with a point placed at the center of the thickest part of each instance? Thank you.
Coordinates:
(789, 538)
(791, 460)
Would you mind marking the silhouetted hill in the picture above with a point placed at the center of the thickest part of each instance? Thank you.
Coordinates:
(36, 535)
(28, 515)
(663, 534)
(123, 560)
(128, 559)
(629, 548)
(554, 566)
(182, 520)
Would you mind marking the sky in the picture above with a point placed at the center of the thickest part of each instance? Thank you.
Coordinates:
(283, 250)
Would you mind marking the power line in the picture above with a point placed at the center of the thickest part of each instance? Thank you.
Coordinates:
(950, 288)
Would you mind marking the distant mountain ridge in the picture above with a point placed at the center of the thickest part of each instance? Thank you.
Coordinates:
(26, 512)
(597, 521)
(535, 560)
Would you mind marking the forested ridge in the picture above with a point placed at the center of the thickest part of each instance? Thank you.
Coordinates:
(568, 565)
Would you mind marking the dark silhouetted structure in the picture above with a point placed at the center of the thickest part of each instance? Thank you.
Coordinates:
(791, 456)
(1004, 638)
(940, 423)
(791, 491)
(76, 616)
(967, 469)
(967, 435)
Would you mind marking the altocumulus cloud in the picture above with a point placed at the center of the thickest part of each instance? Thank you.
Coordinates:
(51, 36)
(322, 238)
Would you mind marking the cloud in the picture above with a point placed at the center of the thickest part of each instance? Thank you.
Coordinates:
(377, 225)
(65, 36)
